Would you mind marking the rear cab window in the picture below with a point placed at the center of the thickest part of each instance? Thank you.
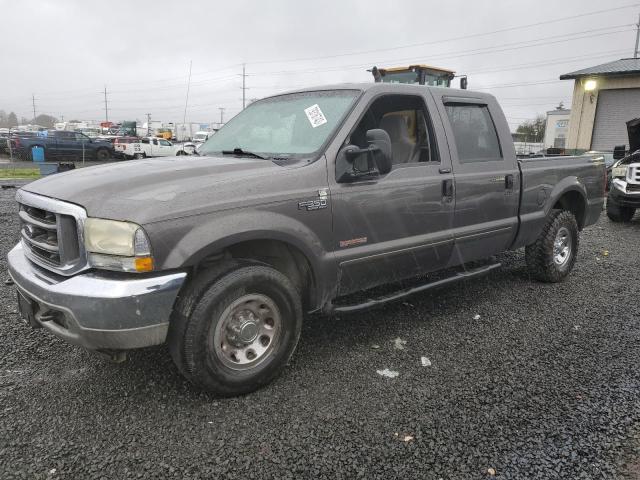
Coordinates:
(474, 131)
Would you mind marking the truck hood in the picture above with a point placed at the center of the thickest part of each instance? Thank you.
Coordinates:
(633, 130)
(153, 190)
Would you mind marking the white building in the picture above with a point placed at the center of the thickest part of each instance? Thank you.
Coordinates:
(557, 129)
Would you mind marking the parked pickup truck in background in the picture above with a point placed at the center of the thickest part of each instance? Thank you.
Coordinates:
(624, 191)
(298, 204)
(154, 147)
(60, 143)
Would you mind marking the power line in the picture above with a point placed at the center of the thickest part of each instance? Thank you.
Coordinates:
(433, 42)
(451, 39)
(478, 51)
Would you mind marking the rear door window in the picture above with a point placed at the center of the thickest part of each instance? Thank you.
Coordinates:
(475, 134)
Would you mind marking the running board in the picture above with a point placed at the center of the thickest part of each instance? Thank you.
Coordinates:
(372, 302)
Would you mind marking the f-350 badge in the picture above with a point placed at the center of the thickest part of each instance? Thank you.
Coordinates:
(316, 204)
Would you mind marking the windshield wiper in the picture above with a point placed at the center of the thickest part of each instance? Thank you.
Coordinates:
(239, 151)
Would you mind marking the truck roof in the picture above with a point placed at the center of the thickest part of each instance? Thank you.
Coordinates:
(392, 88)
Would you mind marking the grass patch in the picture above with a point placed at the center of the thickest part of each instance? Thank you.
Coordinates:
(19, 173)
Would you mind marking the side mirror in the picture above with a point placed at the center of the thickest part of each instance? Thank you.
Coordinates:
(355, 163)
(619, 151)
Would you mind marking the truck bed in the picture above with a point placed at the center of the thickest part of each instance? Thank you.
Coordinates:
(542, 177)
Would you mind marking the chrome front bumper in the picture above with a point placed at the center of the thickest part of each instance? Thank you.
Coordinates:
(98, 311)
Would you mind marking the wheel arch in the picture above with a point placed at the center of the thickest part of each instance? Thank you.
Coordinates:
(282, 242)
(569, 195)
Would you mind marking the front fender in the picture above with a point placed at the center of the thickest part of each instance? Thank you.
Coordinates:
(186, 241)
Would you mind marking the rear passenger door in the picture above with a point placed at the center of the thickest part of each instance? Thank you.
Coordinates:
(81, 145)
(65, 143)
(486, 177)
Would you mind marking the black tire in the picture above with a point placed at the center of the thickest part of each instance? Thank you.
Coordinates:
(618, 213)
(179, 153)
(102, 155)
(139, 156)
(202, 311)
(541, 257)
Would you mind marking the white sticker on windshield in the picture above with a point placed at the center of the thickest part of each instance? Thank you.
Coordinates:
(315, 115)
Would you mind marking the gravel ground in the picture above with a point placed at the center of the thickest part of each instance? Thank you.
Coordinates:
(543, 384)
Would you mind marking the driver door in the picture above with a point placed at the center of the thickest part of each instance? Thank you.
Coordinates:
(395, 226)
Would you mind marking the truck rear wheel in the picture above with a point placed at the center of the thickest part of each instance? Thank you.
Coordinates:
(234, 329)
(553, 255)
(618, 213)
(102, 155)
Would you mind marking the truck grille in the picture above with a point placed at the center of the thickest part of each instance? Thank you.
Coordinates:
(51, 232)
(634, 173)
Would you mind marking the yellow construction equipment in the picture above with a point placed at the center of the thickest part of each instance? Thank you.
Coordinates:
(417, 74)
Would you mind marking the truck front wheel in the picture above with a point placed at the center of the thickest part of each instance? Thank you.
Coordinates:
(553, 255)
(617, 213)
(235, 329)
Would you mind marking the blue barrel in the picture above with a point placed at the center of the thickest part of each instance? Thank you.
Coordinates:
(37, 153)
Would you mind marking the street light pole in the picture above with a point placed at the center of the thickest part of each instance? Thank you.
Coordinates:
(635, 52)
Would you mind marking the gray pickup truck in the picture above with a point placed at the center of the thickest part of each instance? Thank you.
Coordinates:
(302, 203)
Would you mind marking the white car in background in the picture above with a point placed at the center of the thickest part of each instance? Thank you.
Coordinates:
(202, 136)
(154, 147)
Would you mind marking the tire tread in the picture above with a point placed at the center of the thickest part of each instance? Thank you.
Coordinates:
(537, 255)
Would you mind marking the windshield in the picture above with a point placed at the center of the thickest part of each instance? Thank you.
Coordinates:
(292, 125)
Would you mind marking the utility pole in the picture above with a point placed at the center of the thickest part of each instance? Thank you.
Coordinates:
(221, 115)
(33, 102)
(244, 86)
(106, 110)
(186, 102)
(148, 124)
(635, 52)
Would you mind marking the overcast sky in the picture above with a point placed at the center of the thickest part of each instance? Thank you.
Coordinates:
(66, 51)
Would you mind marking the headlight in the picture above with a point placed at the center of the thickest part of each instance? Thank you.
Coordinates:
(619, 171)
(115, 245)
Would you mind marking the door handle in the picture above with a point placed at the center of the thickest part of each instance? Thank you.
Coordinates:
(444, 170)
(508, 182)
(447, 190)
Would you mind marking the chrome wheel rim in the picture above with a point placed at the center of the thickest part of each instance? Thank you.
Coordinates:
(248, 332)
(562, 247)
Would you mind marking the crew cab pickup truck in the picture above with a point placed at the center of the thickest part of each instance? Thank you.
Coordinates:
(303, 202)
(154, 147)
(62, 143)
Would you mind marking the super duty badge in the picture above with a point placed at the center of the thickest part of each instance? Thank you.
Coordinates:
(316, 204)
